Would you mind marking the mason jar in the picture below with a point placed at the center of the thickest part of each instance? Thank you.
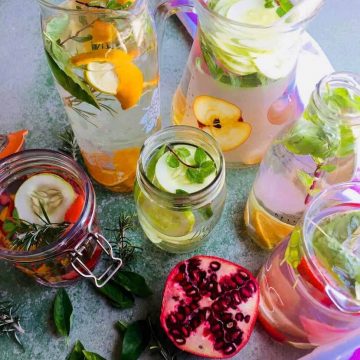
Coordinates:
(77, 251)
(179, 222)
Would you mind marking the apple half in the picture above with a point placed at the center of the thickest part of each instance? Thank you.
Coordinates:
(222, 120)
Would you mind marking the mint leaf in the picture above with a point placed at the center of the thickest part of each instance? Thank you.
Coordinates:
(182, 152)
(284, 7)
(328, 168)
(172, 161)
(114, 5)
(207, 168)
(305, 179)
(206, 212)
(194, 175)
(9, 226)
(293, 250)
(342, 101)
(347, 141)
(57, 26)
(181, 192)
(200, 156)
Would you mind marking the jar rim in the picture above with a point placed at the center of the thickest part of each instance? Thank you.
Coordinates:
(88, 210)
(179, 199)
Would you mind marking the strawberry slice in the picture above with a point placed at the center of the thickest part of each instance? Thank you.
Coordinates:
(274, 333)
(74, 211)
(307, 274)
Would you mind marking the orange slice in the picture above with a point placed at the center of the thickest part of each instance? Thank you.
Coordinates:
(115, 171)
(15, 142)
(269, 230)
(115, 56)
(103, 32)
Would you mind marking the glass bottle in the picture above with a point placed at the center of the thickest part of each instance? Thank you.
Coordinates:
(309, 285)
(76, 252)
(319, 149)
(179, 222)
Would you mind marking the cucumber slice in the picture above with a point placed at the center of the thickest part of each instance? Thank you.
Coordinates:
(54, 193)
(172, 179)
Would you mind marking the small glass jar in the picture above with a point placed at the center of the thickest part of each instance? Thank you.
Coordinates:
(179, 223)
(303, 302)
(76, 253)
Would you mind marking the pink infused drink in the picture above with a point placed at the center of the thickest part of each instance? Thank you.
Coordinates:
(310, 285)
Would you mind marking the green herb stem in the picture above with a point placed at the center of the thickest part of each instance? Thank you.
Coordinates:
(78, 32)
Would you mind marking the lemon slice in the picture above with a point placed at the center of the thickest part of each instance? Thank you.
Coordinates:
(102, 76)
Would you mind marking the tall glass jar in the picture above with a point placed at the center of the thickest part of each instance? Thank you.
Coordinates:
(309, 285)
(76, 252)
(239, 84)
(105, 65)
(318, 150)
(179, 222)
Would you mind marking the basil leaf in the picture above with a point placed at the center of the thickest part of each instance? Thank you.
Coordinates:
(73, 84)
(83, 38)
(92, 356)
(77, 352)
(56, 26)
(118, 296)
(133, 282)
(63, 311)
(136, 339)
(150, 172)
(200, 156)
(172, 161)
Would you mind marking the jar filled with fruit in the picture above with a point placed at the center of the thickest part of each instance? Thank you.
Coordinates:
(180, 190)
(48, 226)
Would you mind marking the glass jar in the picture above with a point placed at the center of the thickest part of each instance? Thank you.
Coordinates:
(318, 150)
(308, 285)
(77, 251)
(105, 65)
(179, 223)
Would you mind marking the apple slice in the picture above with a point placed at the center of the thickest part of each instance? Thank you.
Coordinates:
(210, 111)
(230, 137)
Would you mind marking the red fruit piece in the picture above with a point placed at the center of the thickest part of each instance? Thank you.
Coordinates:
(4, 198)
(274, 333)
(74, 211)
(307, 274)
(209, 306)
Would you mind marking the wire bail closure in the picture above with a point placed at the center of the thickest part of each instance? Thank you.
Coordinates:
(80, 267)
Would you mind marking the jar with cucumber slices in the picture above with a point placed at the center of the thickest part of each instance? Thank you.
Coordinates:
(180, 189)
(48, 226)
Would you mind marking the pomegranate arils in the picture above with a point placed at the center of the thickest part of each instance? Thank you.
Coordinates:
(215, 307)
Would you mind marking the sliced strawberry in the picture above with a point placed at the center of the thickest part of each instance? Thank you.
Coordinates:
(74, 211)
(274, 333)
(307, 274)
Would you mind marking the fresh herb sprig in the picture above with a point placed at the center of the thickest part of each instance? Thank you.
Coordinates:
(9, 321)
(105, 4)
(283, 6)
(69, 144)
(195, 172)
(24, 235)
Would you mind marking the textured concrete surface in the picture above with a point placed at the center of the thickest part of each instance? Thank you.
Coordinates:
(28, 99)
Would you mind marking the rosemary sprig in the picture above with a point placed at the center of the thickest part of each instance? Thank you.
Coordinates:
(70, 145)
(24, 234)
(122, 246)
(9, 322)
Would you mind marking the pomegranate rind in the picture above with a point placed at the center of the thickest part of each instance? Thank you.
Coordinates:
(200, 339)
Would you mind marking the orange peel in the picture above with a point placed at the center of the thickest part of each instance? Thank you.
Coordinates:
(15, 143)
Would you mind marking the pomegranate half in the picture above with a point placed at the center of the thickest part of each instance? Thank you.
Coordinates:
(209, 306)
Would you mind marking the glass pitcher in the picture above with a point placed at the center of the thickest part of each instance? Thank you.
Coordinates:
(103, 58)
(239, 84)
(310, 285)
(319, 149)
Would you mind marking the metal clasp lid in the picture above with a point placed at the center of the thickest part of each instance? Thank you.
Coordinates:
(80, 267)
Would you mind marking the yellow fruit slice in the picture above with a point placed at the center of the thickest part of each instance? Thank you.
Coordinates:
(114, 56)
(102, 77)
(269, 230)
(103, 32)
(113, 170)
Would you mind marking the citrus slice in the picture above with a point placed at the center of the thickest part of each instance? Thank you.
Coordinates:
(114, 56)
(168, 222)
(13, 143)
(103, 32)
(102, 77)
(269, 230)
(48, 190)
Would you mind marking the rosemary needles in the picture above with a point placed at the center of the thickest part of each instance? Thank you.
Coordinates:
(9, 321)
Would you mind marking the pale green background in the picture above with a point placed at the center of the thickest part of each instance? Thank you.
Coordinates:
(28, 99)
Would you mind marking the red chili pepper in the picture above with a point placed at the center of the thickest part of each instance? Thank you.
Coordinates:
(74, 211)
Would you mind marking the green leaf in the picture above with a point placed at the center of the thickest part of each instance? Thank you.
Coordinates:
(9, 226)
(114, 5)
(15, 214)
(206, 212)
(63, 311)
(328, 168)
(200, 156)
(194, 175)
(150, 171)
(136, 339)
(133, 282)
(172, 161)
(306, 179)
(82, 39)
(117, 295)
(207, 168)
(77, 352)
(347, 141)
(293, 250)
(57, 26)
(181, 192)
(73, 84)
(92, 356)
(182, 152)
(121, 326)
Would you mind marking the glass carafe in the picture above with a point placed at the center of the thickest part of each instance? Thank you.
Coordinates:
(239, 84)
(309, 285)
(103, 58)
(318, 150)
